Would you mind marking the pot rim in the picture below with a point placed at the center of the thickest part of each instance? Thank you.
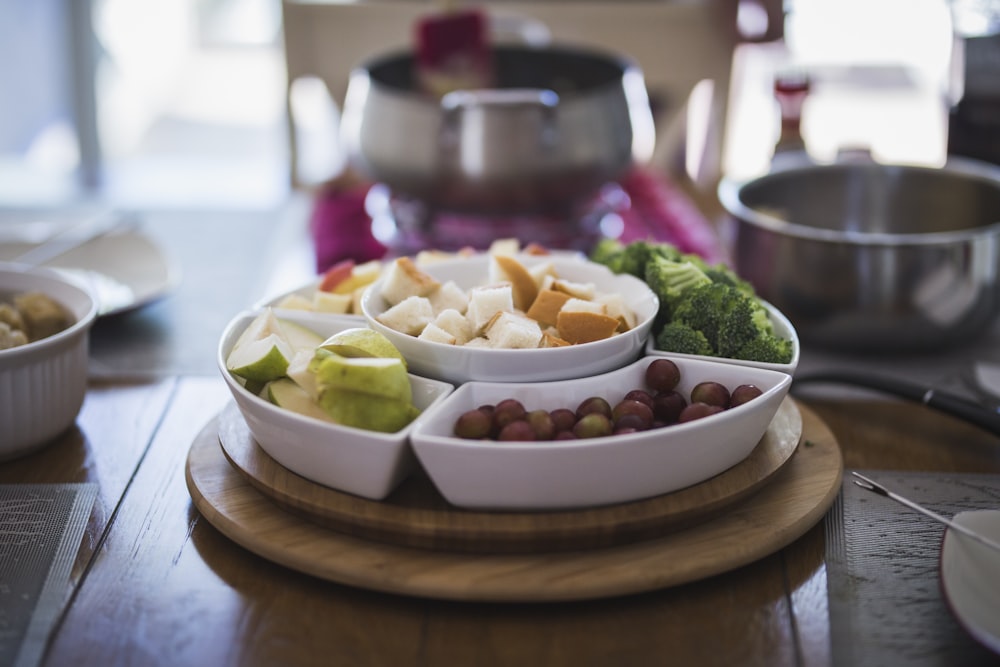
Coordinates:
(624, 63)
(730, 189)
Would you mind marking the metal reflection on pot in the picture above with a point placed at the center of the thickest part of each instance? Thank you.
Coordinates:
(871, 257)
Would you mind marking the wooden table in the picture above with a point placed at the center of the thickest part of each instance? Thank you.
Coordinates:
(156, 584)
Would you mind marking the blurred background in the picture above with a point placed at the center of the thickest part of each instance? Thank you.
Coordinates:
(142, 103)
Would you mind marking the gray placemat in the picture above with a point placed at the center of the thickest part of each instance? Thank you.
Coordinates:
(883, 579)
(41, 526)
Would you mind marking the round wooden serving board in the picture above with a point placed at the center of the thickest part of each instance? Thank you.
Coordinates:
(416, 515)
(794, 500)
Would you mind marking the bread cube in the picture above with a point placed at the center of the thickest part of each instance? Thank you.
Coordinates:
(409, 316)
(487, 300)
(436, 334)
(456, 324)
(404, 279)
(511, 331)
(547, 305)
(449, 296)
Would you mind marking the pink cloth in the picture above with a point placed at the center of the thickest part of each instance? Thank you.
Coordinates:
(653, 208)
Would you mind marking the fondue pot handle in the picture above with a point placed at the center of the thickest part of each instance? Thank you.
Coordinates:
(476, 110)
(957, 406)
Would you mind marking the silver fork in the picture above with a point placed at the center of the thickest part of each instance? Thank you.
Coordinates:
(875, 487)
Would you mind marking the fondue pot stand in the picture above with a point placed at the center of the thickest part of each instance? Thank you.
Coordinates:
(557, 125)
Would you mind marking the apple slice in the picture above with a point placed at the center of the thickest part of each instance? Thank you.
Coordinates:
(336, 274)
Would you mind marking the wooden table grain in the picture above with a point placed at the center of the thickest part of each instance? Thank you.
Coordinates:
(156, 584)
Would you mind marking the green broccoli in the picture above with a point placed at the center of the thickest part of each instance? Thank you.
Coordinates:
(704, 309)
(677, 337)
(608, 252)
(735, 324)
(767, 348)
(670, 280)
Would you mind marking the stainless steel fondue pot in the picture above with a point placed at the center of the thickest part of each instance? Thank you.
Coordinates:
(557, 125)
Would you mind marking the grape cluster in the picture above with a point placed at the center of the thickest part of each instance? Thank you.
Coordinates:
(656, 405)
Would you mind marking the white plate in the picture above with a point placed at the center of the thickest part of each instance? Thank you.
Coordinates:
(970, 576)
(124, 270)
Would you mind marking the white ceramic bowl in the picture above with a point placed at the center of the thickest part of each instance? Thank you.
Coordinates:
(307, 290)
(574, 474)
(458, 364)
(782, 327)
(43, 384)
(365, 463)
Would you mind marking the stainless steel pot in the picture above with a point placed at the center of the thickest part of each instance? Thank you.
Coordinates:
(558, 124)
(869, 257)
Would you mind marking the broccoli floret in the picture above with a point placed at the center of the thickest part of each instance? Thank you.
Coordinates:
(734, 323)
(608, 252)
(635, 257)
(671, 281)
(766, 348)
(706, 307)
(677, 337)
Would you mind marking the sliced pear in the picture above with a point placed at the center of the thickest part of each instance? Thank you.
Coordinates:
(361, 342)
(301, 373)
(375, 376)
(265, 324)
(351, 408)
(288, 395)
(261, 360)
(298, 336)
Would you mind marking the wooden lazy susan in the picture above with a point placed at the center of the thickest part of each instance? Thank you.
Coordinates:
(415, 543)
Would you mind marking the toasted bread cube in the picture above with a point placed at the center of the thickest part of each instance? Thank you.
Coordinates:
(425, 257)
(580, 326)
(456, 324)
(615, 306)
(585, 291)
(543, 273)
(487, 300)
(547, 305)
(511, 331)
(328, 302)
(436, 334)
(583, 306)
(404, 279)
(553, 340)
(449, 296)
(409, 316)
(506, 268)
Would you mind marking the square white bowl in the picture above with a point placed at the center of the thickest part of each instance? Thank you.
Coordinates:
(574, 474)
(458, 364)
(43, 384)
(782, 328)
(366, 463)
